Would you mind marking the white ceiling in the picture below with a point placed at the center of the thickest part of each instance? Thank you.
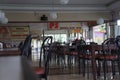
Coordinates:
(50, 5)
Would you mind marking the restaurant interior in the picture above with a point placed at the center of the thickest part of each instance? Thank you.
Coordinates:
(59, 39)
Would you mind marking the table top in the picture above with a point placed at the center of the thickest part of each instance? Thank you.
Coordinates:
(15, 68)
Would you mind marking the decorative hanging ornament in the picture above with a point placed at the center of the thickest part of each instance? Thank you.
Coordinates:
(53, 15)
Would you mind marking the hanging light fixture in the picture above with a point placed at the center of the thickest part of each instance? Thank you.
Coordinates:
(3, 18)
(64, 1)
(2, 14)
(100, 21)
(53, 14)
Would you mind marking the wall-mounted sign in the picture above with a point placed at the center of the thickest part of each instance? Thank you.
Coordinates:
(70, 24)
(19, 31)
(53, 25)
(13, 33)
(77, 31)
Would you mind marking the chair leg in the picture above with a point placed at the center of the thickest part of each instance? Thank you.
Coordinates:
(46, 78)
(83, 67)
(113, 69)
(39, 77)
(99, 68)
(119, 66)
(79, 62)
(70, 60)
(88, 69)
(105, 69)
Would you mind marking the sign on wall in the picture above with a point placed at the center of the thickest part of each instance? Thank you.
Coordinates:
(54, 25)
(12, 33)
(19, 31)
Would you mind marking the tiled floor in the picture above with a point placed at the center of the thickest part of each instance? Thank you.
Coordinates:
(65, 72)
(73, 74)
(78, 77)
(65, 77)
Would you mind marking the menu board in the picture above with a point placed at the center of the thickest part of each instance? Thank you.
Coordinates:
(13, 33)
(19, 31)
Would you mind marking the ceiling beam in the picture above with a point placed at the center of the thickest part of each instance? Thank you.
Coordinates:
(50, 8)
(112, 2)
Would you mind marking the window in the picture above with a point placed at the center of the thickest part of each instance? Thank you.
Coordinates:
(58, 35)
(118, 22)
(36, 46)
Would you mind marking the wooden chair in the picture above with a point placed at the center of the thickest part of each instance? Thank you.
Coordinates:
(109, 54)
(83, 56)
(58, 54)
(118, 52)
(77, 52)
(26, 47)
(42, 70)
(20, 45)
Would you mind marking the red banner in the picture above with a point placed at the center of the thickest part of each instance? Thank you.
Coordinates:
(53, 25)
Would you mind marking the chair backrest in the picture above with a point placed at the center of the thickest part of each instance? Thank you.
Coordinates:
(118, 41)
(79, 47)
(46, 52)
(20, 45)
(109, 46)
(26, 48)
(80, 43)
(118, 45)
(57, 48)
(109, 41)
